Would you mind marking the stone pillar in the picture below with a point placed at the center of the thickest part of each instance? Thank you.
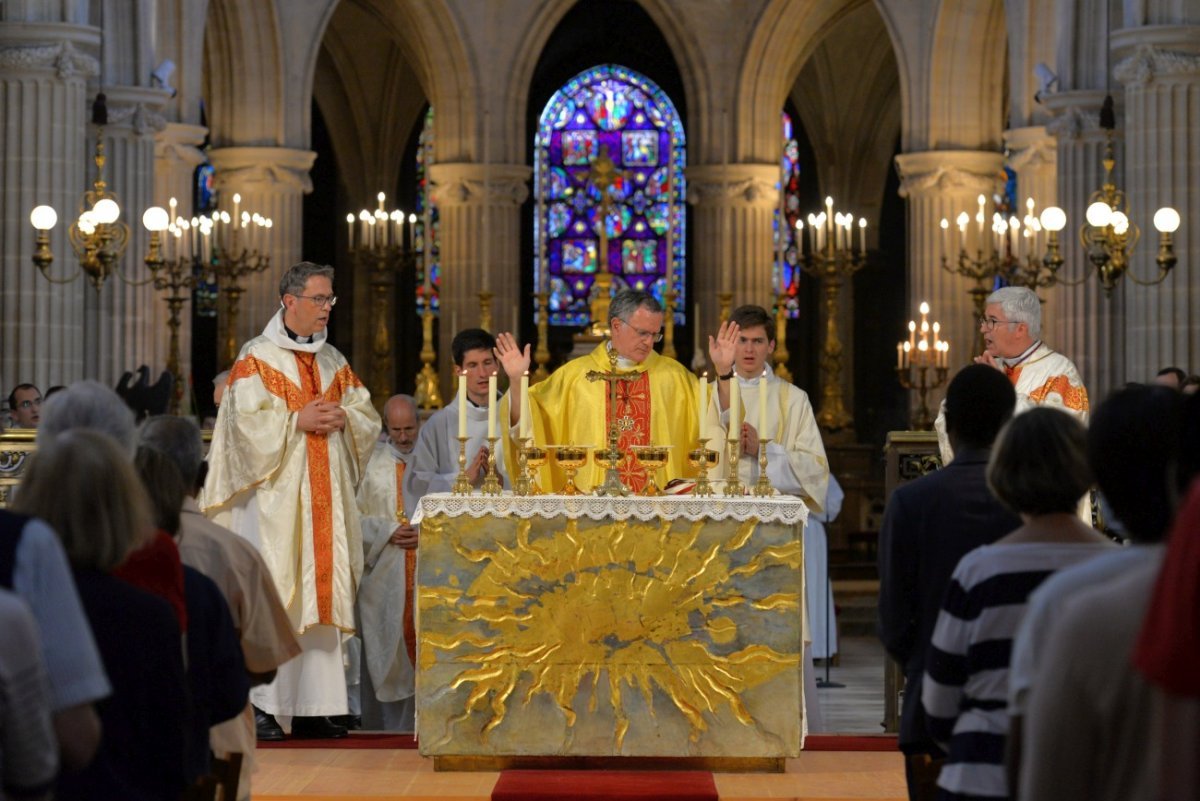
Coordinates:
(1160, 68)
(1086, 325)
(126, 320)
(44, 105)
(272, 181)
(477, 257)
(1033, 155)
(177, 154)
(733, 240)
(939, 185)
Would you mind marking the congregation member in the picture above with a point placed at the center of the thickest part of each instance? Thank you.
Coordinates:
(1012, 333)
(1113, 707)
(25, 406)
(657, 405)
(1170, 377)
(1038, 470)
(435, 458)
(387, 594)
(216, 673)
(1133, 450)
(930, 524)
(28, 751)
(262, 625)
(83, 484)
(293, 435)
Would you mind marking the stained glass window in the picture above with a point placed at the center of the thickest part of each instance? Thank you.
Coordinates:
(427, 220)
(787, 256)
(613, 110)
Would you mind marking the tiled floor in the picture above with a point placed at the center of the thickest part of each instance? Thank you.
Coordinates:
(857, 708)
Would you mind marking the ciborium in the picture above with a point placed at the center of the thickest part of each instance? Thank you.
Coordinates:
(703, 459)
(532, 458)
(570, 458)
(653, 458)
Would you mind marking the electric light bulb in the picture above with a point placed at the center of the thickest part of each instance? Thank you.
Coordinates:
(155, 219)
(1099, 214)
(1054, 218)
(106, 211)
(1166, 220)
(43, 218)
(1119, 222)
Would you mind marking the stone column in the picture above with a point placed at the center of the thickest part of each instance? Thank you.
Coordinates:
(477, 254)
(272, 181)
(1086, 325)
(939, 185)
(1160, 68)
(44, 103)
(732, 243)
(126, 320)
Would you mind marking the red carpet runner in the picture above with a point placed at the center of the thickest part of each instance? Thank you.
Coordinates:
(603, 785)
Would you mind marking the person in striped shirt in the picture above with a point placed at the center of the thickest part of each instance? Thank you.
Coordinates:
(1039, 469)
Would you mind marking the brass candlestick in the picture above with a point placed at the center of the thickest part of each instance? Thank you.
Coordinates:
(703, 459)
(733, 484)
(427, 394)
(916, 376)
(542, 354)
(762, 487)
(176, 277)
(462, 484)
(491, 483)
(781, 352)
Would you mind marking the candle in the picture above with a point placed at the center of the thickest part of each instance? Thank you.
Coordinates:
(762, 403)
(380, 198)
(237, 204)
(862, 235)
(350, 231)
(523, 429)
(735, 404)
(899, 356)
(462, 404)
(696, 329)
(912, 333)
(491, 407)
(703, 406)
(980, 216)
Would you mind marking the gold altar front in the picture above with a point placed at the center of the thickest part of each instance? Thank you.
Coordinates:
(610, 627)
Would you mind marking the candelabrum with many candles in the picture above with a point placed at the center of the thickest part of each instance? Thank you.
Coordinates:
(828, 254)
(233, 248)
(922, 363)
(176, 276)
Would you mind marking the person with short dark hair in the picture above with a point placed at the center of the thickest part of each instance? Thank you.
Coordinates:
(1190, 385)
(1171, 377)
(1038, 470)
(656, 406)
(929, 524)
(293, 435)
(25, 406)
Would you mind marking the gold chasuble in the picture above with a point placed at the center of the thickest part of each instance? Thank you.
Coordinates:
(290, 492)
(657, 407)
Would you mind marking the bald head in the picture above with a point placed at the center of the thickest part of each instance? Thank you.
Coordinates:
(400, 418)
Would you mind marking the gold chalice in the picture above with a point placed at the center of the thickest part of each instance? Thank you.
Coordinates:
(570, 458)
(535, 457)
(703, 459)
(653, 458)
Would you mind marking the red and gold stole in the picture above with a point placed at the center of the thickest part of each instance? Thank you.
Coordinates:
(632, 415)
(410, 576)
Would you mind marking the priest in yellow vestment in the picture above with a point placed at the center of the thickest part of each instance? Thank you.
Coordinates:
(292, 439)
(657, 406)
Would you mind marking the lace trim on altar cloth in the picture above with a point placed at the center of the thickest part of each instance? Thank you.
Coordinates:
(779, 509)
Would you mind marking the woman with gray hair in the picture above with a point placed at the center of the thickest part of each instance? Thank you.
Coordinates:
(84, 485)
(1038, 469)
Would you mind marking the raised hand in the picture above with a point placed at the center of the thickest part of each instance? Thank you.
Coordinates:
(512, 357)
(723, 349)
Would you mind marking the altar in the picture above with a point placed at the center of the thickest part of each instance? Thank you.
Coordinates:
(579, 626)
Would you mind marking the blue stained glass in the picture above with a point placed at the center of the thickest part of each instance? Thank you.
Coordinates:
(427, 241)
(786, 271)
(610, 108)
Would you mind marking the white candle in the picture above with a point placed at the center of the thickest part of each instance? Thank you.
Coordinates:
(703, 406)
(462, 404)
(762, 403)
(735, 405)
(237, 204)
(696, 328)
(523, 428)
(862, 235)
(491, 407)
(899, 356)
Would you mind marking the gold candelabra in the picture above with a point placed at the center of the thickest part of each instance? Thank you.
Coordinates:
(830, 257)
(733, 484)
(541, 354)
(781, 356)
(762, 487)
(491, 482)
(462, 484)
(922, 364)
(703, 459)
(177, 278)
(427, 393)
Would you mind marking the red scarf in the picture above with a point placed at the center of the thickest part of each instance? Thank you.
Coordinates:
(156, 569)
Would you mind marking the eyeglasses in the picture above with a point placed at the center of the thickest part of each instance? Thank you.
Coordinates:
(321, 300)
(653, 336)
(29, 404)
(990, 323)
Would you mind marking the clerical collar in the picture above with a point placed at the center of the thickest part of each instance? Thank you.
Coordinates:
(1010, 363)
(752, 380)
(622, 362)
(292, 335)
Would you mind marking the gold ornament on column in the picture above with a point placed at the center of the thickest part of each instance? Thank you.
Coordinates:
(922, 365)
(781, 355)
(830, 256)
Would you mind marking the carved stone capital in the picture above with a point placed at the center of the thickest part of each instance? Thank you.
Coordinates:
(937, 172)
(1030, 148)
(1077, 114)
(136, 108)
(61, 57)
(1150, 63)
(753, 185)
(177, 141)
(469, 184)
(279, 168)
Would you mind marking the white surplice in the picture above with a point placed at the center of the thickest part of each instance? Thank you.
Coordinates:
(434, 465)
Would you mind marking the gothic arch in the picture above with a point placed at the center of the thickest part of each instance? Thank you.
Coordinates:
(967, 76)
(242, 37)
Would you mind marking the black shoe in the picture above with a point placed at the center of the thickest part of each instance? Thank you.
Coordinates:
(351, 722)
(316, 728)
(266, 727)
